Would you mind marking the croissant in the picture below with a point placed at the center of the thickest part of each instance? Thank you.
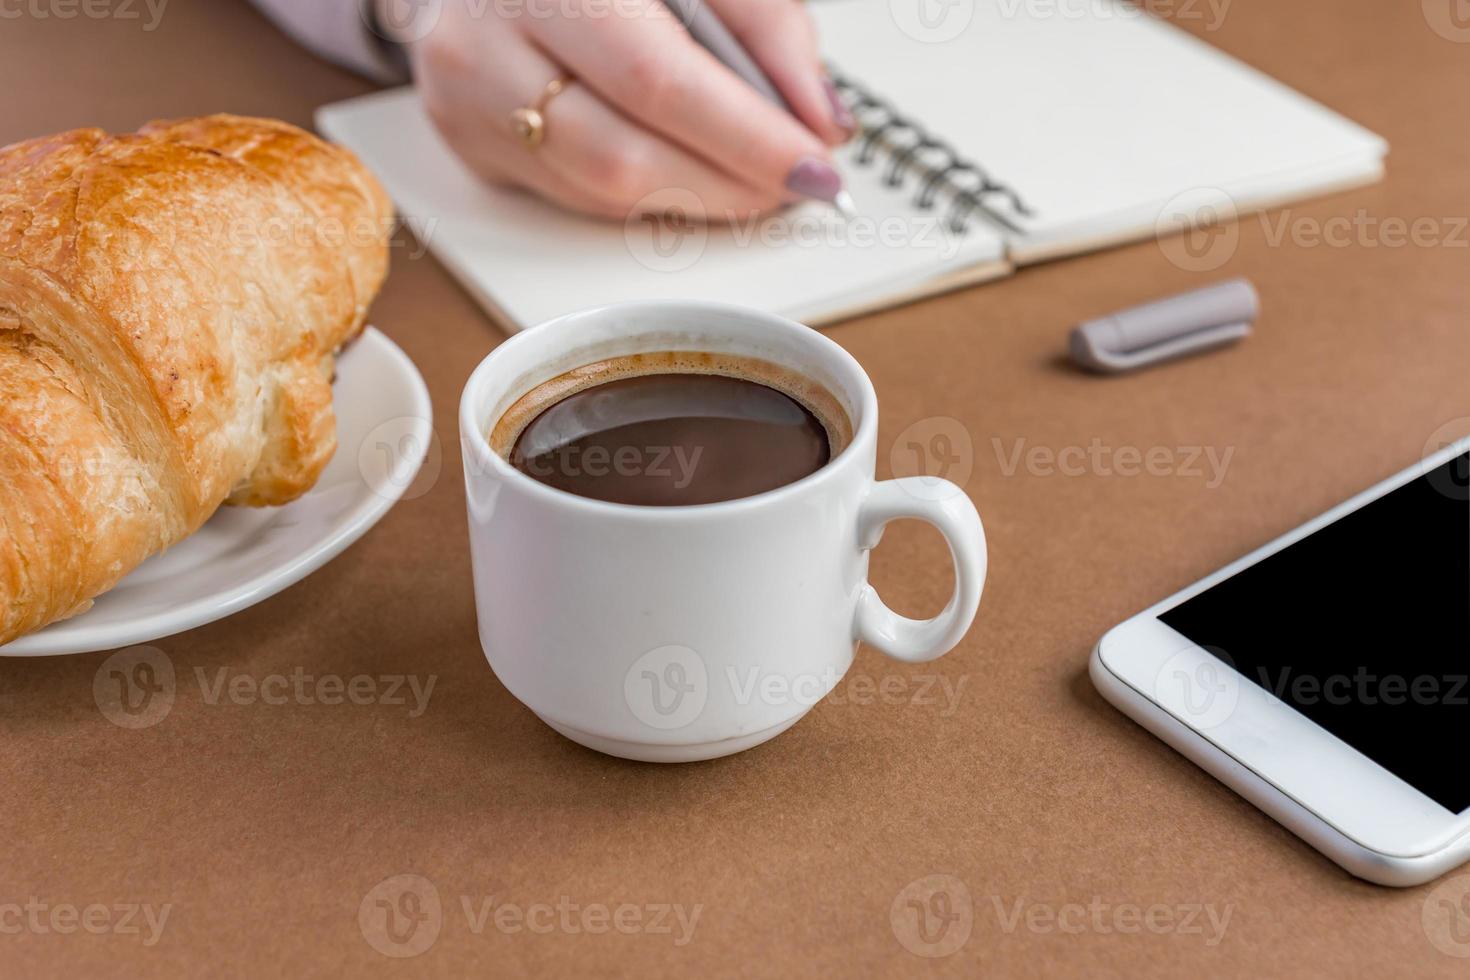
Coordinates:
(170, 305)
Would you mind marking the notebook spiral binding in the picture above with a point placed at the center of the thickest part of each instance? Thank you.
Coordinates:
(910, 149)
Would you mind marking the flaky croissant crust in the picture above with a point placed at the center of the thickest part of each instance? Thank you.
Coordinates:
(170, 304)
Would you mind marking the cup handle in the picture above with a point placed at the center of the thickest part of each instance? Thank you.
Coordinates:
(945, 506)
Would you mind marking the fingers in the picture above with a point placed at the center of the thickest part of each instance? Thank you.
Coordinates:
(588, 140)
(650, 70)
(780, 35)
(592, 159)
(493, 162)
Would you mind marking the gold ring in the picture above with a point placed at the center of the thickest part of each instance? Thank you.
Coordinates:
(529, 122)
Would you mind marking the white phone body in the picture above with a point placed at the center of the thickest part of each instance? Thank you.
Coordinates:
(1359, 814)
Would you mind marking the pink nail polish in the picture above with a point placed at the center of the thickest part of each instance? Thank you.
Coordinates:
(841, 114)
(815, 179)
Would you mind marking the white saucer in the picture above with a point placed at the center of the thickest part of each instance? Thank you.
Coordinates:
(243, 555)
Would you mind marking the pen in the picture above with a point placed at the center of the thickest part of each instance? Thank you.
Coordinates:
(710, 33)
(1167, 328)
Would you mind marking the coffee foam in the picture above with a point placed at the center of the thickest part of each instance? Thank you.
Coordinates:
(816, 398)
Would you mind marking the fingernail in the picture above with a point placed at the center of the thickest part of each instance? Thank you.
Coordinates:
(841, 114)
(814, 178)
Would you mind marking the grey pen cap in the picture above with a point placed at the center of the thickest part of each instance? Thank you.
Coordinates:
(1167, 328)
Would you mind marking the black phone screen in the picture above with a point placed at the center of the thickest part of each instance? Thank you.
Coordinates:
(1364, 627)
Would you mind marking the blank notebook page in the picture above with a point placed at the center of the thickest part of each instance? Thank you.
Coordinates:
(1096, 113)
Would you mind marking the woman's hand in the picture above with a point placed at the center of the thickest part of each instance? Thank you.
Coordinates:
(649, 114)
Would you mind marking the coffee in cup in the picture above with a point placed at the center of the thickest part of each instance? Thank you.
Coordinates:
(671, 428)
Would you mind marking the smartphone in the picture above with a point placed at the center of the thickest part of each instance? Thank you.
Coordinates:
(1325, 677)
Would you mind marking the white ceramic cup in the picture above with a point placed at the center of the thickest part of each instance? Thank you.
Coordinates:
(670, 634)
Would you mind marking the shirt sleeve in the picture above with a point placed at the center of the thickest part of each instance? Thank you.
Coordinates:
(338, 31)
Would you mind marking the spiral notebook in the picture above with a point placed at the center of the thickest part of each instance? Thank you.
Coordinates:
(993, 135)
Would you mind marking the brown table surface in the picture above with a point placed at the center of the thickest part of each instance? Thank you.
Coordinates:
(265, 827)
